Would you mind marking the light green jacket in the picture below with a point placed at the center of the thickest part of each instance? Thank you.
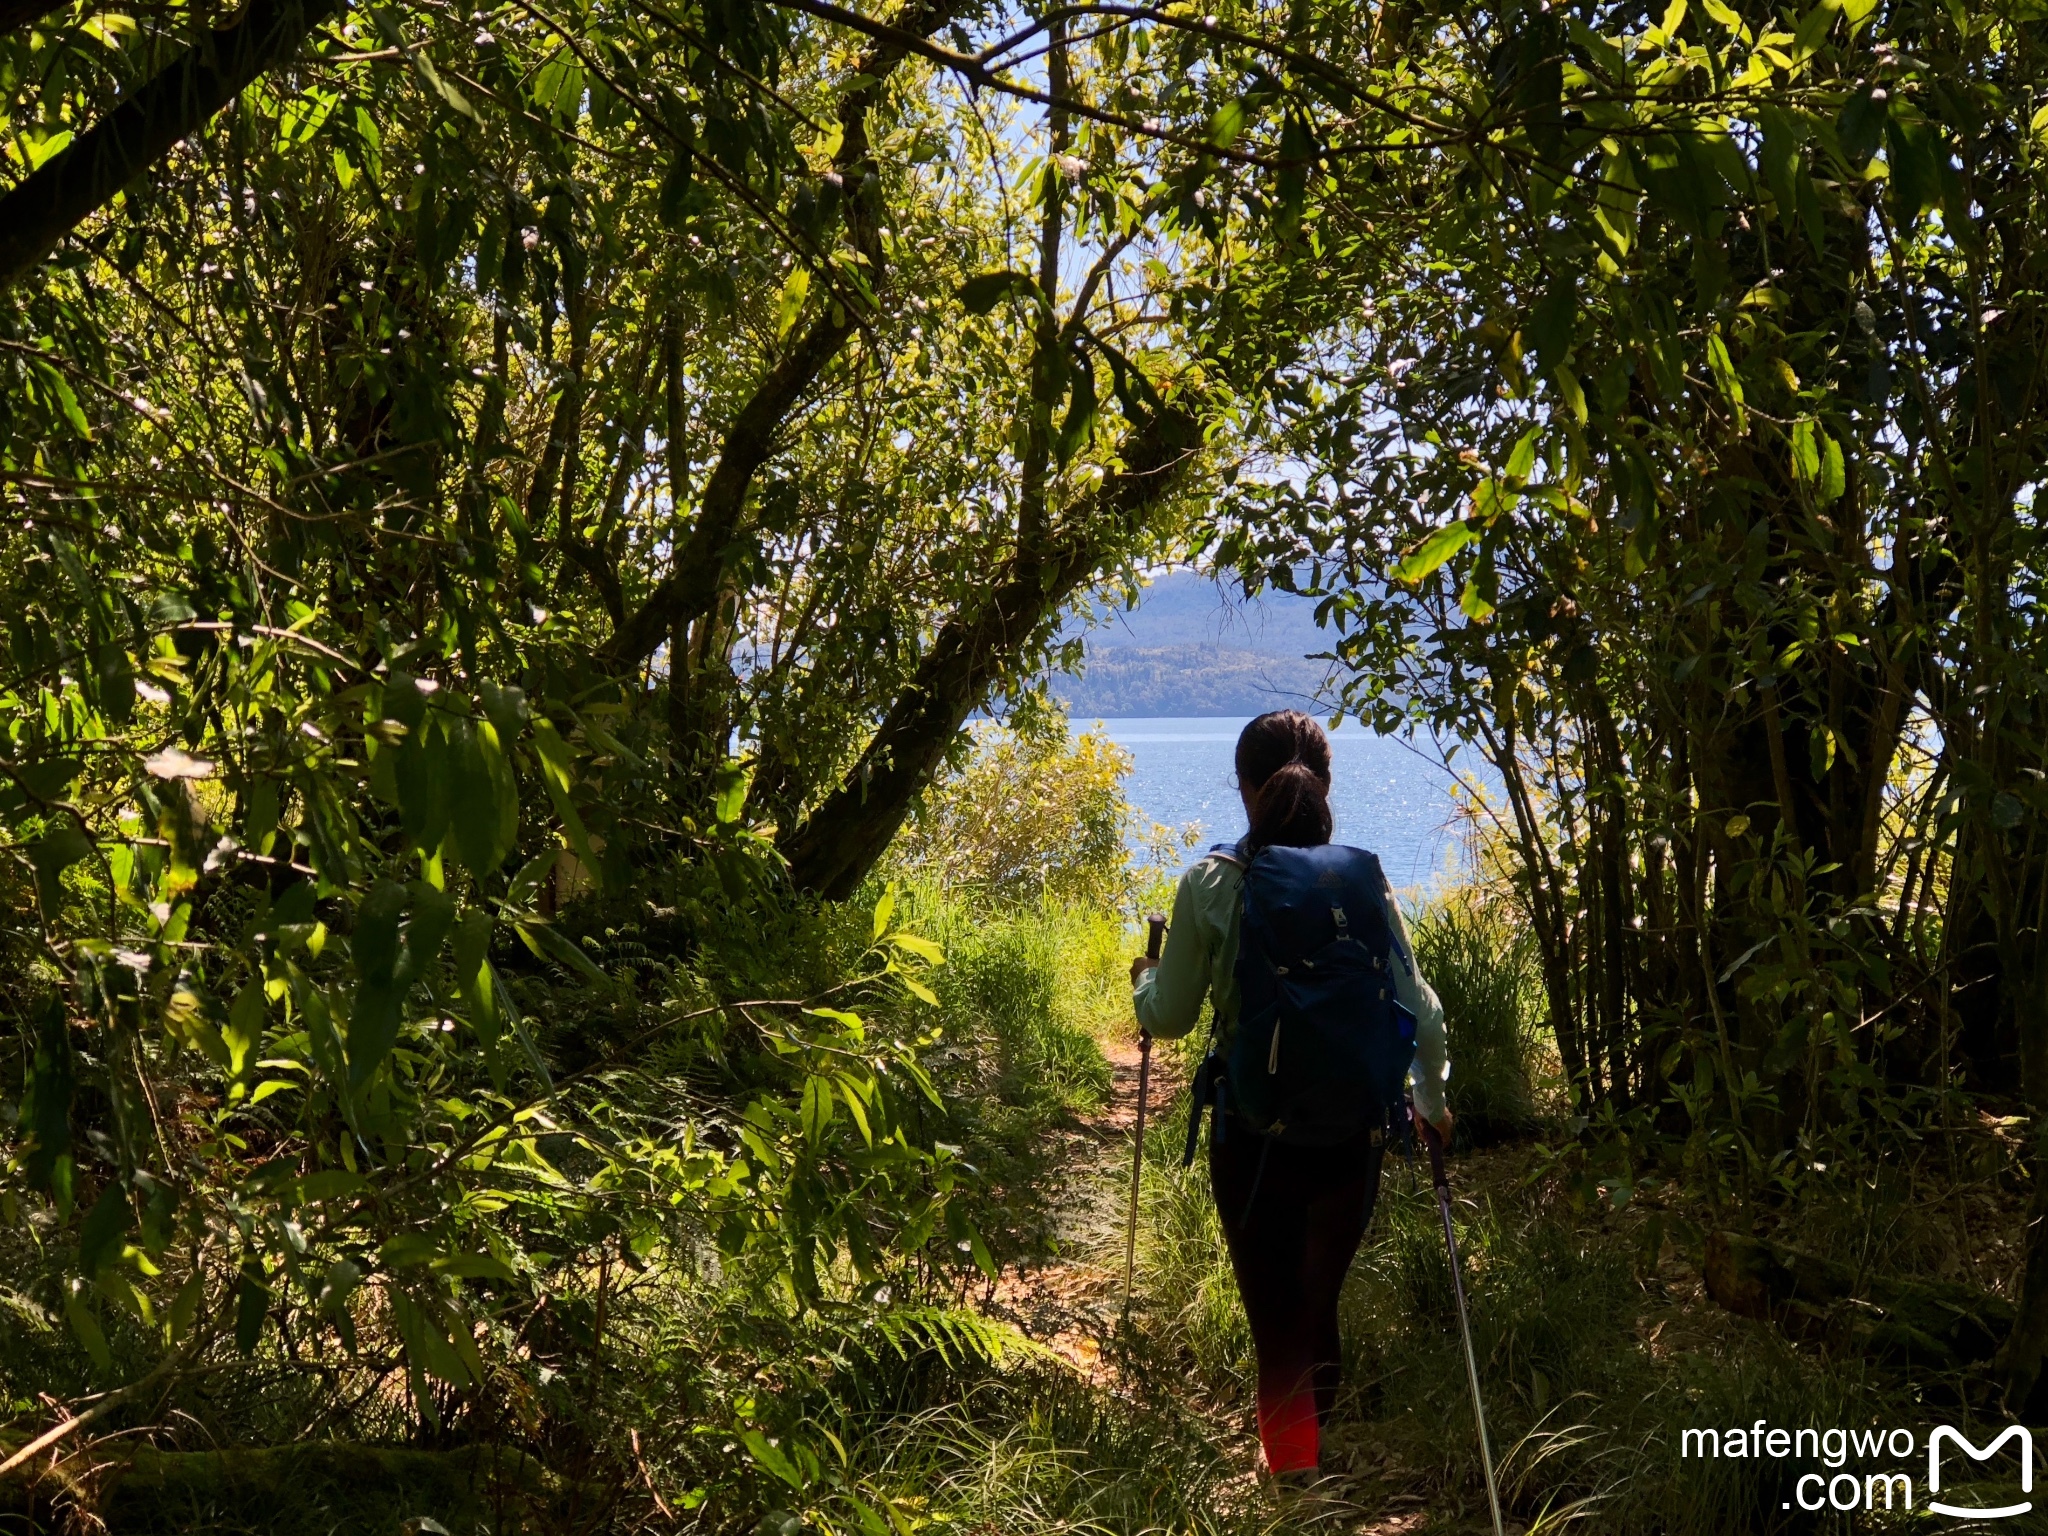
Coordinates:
(1200, 959)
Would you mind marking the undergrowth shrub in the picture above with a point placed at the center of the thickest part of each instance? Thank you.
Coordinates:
(1474, 949)
(1036, 816)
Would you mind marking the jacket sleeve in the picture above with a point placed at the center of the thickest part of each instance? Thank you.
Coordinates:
(1169, 996)
(1432, 1051)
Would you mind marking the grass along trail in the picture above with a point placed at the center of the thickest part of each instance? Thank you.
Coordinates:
(1073, 1305)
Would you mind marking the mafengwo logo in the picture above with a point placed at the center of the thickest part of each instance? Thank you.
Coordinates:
(1944, 1435)
(1958, 1484)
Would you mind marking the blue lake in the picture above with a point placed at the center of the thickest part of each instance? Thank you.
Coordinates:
(1389, 795)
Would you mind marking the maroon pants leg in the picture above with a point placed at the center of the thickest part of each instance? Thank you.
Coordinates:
(1293, 1218)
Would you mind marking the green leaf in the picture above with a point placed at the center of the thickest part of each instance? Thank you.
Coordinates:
(546, 941)
(1914, 149)
(51, 854)
(100, 1234)
(430, 77)
(46, 1105)
(1833, 474)
(984, 291)
(1778, 158)
(1805, 451)
(1812, 30)
(1721, 13)
(1227, 125)
(485, 807)
(1569, 390)
(185, 1305)
(252, 1304)
(1522, 458)
(923, 948)
(732, 793)
(244, 1032)
(475, 979)
(41, 151)
(373, 1020)
(884, 910)
(428, 1344)
(791, 303)
(1433, 551)
(558, 763)
(1641, 548)
(521, 894)
(474, 1266)
(424, 769)
(817, 1108)
(374, 944)
(405, 1249)
(1723, 368)
(857, 1109)
(1860, 125)
(87, 1328)
(60, 390)
(330, 1184)
(1549, 334)
(770, 1458)
(49, 779)
(1081, 412)
(432, 915)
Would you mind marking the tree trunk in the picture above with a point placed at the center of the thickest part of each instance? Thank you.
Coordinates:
(836, 846)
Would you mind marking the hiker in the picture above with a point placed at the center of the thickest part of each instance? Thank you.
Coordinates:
(1293, 1214)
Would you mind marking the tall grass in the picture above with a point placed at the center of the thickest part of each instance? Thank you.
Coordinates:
(1473, 948)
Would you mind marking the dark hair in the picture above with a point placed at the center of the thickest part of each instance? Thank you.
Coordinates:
(1283, 765)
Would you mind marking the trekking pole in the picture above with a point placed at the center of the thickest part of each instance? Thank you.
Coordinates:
(1154, 940)
(1435, 1144)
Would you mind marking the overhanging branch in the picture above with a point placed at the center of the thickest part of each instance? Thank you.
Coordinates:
(84, 176)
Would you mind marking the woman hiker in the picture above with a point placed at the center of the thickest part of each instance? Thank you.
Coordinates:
(1293, 1216)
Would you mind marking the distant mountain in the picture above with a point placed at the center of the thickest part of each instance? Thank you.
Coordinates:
(1190, 648)
(1187, 608)
(1189, 680)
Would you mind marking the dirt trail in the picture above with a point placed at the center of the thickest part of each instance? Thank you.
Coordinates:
(1072, 1306)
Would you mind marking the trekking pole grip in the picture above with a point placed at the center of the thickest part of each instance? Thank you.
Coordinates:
(1434, 1145)
(1155, 940)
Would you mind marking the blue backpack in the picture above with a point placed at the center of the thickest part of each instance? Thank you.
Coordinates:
(1322, 1046)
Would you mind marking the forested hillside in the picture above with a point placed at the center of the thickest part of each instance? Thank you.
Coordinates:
(528, 1007)
(1193, 646)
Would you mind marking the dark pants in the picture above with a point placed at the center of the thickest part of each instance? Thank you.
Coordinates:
(1293, 1217)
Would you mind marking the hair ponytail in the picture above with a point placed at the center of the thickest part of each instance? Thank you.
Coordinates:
(1283, 765)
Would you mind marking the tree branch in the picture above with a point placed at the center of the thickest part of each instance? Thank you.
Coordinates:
(84, 176)
(691, 587)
